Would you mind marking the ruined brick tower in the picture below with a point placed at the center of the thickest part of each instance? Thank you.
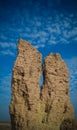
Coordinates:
(32, 107)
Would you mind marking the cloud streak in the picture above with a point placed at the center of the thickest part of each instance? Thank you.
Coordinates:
(7, 45)
(7, 52)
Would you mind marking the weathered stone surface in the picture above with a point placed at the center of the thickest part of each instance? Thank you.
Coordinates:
(25, 87)
(33, 108)
(55, 91)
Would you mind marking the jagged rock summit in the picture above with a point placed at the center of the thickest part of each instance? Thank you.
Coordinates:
(32, 107)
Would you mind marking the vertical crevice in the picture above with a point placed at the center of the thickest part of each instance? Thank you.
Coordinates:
(42, 75)
(41, 80)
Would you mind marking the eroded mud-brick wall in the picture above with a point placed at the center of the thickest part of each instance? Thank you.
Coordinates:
(32, 107)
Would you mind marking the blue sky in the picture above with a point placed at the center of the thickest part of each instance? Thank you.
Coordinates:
(50, 26)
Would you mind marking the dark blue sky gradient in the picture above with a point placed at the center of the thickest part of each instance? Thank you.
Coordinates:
(50, 26)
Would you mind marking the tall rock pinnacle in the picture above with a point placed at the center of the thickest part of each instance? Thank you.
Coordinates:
(32, 107)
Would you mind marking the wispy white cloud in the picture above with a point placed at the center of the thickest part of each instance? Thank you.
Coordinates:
(63, 29)
(7, 52)
(40, 46)
(70, 33)
(52, 28)
(8, 45)
(7, 48)
(57, 30)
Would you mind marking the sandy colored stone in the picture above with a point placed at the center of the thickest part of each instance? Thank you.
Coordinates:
(32, 107)
(25, 87)
(55, 91)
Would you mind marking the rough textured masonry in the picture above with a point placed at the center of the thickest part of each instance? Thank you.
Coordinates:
(32, 107)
